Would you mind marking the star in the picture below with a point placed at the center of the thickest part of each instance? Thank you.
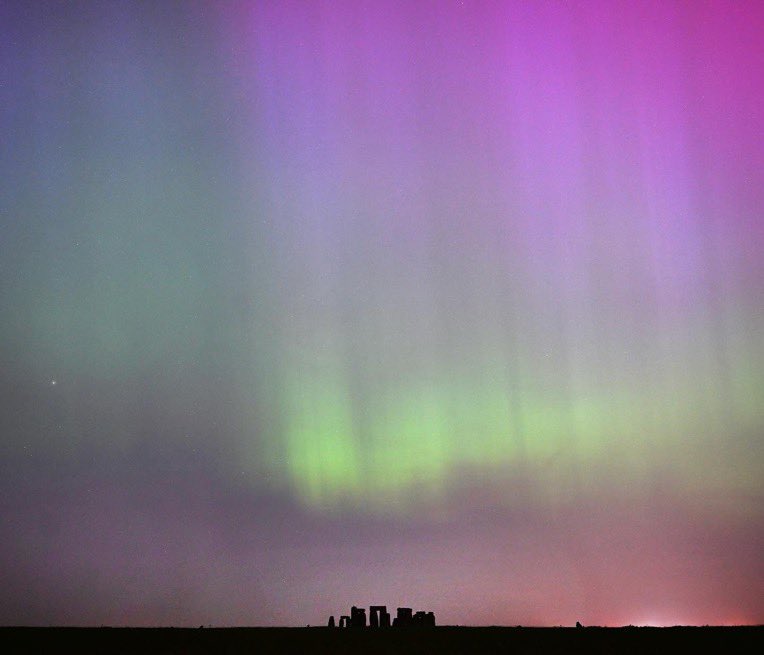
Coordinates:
(53, 383)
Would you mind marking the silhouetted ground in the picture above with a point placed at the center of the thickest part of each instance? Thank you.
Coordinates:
(515, 641)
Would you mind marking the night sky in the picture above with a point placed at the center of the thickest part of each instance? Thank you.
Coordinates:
(452, 305)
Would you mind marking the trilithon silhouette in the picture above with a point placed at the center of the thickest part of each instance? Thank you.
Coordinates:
(379, 617)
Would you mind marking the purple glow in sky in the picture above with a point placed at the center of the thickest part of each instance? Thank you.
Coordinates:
(455, 305)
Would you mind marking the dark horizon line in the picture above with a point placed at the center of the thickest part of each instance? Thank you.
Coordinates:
(352, 630)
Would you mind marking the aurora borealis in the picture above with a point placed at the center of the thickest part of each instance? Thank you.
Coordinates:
(457, 305)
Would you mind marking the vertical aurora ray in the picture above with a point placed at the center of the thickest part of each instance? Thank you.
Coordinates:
(503, 259)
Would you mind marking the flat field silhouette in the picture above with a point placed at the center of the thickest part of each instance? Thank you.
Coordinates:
(445, 639)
